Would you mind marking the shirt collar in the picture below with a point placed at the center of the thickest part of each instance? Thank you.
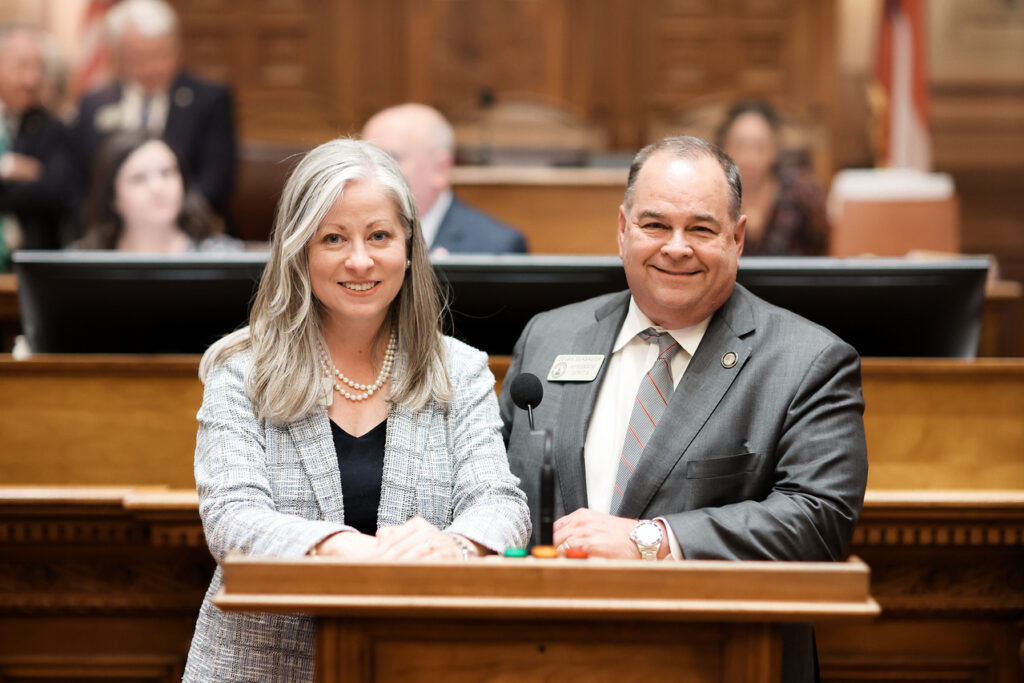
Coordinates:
(637, 321)
(133, 89)
(430, 221)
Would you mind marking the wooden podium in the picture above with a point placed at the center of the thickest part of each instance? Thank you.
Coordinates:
(503, 619)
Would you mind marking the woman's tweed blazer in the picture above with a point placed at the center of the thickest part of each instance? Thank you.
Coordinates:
(266, 490)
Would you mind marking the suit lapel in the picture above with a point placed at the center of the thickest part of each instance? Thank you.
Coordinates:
(174, 127)
(451, 231)
(702, 388)
(315, 446)
(578, 400)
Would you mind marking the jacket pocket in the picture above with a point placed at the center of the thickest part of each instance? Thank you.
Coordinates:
(721, 466)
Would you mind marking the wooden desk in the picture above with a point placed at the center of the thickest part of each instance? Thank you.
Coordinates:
(1001, 319)
(560, 210)
(130, 420)
(100, 581)
(109, 582)
(100, 420)
(10, 313)
(531, 619)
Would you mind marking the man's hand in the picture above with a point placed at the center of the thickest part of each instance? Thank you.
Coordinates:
(599, 534)
(20, 168)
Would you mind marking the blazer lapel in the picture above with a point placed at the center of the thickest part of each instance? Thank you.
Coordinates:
(705, 383)
(451, 232)
(315, 446)
(578, 400)
(179, 98)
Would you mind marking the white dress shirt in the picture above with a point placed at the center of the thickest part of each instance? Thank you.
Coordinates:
(630, 360)
(132, 100)
(430, 221)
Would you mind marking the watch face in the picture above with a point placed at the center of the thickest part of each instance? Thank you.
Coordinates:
(647, 534)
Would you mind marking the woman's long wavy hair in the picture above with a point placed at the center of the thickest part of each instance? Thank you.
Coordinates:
(104, 225)
(285, 333)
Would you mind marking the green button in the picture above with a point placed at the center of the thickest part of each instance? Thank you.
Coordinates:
(516, 552)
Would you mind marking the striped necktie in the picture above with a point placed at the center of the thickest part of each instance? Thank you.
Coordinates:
(651, 399)
(147, 106)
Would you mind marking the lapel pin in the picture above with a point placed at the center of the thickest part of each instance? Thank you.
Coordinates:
(183, 96)
(729, 359)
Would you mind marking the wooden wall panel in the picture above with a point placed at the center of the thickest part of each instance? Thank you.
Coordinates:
(305, 70)
(462, 48)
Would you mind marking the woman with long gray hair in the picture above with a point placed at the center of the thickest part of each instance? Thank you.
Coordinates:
(341, 421)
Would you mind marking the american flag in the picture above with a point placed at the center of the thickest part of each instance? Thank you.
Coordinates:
(92, 66)
(900, 100)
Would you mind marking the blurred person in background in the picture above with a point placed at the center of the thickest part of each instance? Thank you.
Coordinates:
(35, 157)
(423, 143)
(140, 201)
(784, 205)
(153, 92)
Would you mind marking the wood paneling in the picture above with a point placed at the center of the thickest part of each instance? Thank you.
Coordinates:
(505, 619)
(96, 420)
(105, 581)
(131, 421)
(560, 211)
(97, 583)
(929, 423)
(308, 69)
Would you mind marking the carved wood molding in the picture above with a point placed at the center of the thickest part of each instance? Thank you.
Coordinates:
(103, 582)
(187, 533)
(907, 668)
(155, 668)
(924, 519)
(971, 586)
(896, 533)
(71, 531)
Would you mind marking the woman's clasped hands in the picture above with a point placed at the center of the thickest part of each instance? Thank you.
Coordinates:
(416, 539)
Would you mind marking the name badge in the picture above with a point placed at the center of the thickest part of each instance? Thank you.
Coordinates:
(575, 367)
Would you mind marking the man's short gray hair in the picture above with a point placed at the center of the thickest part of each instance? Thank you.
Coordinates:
(689, 147)
(11, 28)
(149, 17)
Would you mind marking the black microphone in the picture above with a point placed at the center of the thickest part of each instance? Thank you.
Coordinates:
(526, 392)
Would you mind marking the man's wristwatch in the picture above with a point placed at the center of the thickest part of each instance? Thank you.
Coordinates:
(648, 537)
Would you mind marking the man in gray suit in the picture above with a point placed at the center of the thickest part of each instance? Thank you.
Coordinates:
(739, 436)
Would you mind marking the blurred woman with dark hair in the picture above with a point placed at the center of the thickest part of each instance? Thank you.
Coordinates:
(141, 201)
(784, 205)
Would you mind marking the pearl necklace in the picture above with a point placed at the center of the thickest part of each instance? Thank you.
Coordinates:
(331, 371)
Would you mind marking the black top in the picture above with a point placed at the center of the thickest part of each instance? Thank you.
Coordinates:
(361, 461)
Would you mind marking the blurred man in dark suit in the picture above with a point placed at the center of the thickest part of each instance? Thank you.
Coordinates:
(35, 156)
(194, 117)
(423, 143)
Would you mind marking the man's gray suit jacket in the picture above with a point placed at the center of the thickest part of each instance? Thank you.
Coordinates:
(764, 459)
